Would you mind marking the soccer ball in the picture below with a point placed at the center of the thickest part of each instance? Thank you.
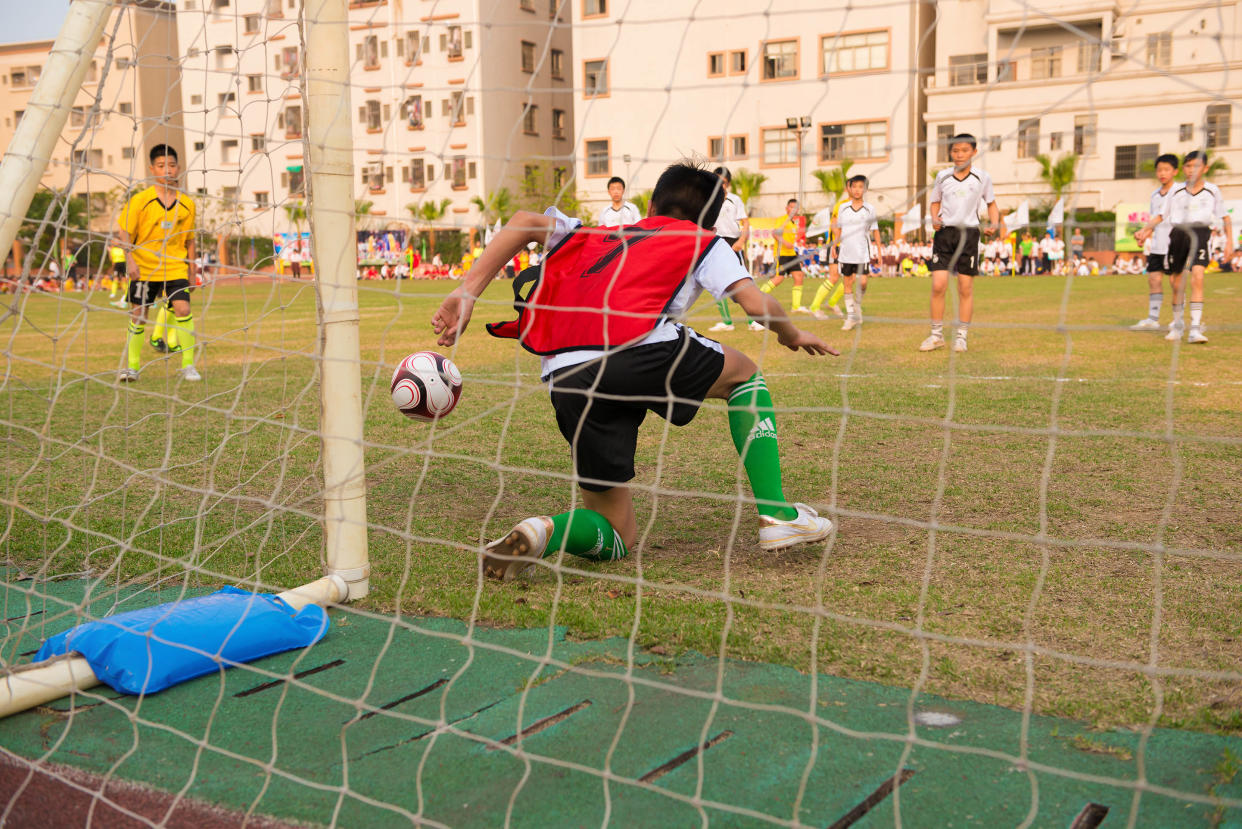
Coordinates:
(426, 386)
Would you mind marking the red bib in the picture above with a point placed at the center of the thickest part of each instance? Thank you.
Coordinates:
(604, 288)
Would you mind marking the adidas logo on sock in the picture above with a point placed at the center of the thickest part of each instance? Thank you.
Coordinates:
(765, 428)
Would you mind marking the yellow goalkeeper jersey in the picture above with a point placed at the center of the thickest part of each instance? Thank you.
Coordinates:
(160, 233)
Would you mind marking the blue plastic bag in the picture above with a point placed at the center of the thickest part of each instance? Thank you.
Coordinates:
(148, 650)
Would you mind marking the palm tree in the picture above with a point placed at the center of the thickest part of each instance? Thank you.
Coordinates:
(642, 201)
(429, 212)
(296, 212)
(362, 213)
(498, 205)
(1059, 174)
(832, 182)
(747, 185)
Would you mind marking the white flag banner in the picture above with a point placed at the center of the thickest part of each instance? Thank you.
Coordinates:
(911, 220)
(821, 223)
(1020, 217)
(1057, 216)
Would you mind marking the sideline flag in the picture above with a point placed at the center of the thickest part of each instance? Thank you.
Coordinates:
(1057, 216)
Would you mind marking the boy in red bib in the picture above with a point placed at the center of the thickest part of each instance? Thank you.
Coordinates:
(601, 313)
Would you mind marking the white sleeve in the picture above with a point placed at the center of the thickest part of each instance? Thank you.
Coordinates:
(875, 221)
(718, 270)
(1218, 206)
(989, 195)
(739, 207)
(936, 194)
(564, 226)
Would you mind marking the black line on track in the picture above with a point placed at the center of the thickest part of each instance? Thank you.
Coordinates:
(684, 757)
(389, 705)
(545, 723)
(872, 800)
(299, 675)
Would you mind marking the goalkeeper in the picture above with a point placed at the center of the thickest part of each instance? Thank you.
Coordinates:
(156, 228)
(607, 370)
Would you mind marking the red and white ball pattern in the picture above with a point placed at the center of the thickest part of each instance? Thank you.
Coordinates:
(426, 386)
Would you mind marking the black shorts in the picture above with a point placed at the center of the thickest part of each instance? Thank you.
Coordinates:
(854, 269)
(1157, 263)
(956, 249)
(1188, 248)
(142, 292)
(118, 268)
(789, 264)
(600, 404)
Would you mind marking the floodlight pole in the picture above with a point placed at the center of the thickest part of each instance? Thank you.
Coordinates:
(801, 126)
(329, 152)
(37, 132)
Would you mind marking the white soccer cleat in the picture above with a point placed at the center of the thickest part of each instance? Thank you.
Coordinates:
(1196, 336)
(808, 527)
(508, 557)
(837, 311)
(120, 303)
(127, 375)
(932, 343)
(819, 315)
(1148, 324)
(802, 309)
(189, 374)
(850, 324)
(1174, 334)
(722, 326)
(754, 326)
(959, 345)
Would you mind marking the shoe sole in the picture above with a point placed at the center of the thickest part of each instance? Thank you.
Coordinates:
(507, 558)
(795, 540)
(936, 347)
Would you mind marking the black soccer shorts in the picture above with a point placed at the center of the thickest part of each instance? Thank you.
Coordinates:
(956, 249)
(1188, 248)
(143, 292)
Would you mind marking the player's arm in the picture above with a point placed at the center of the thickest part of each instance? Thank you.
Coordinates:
(933, 210)
(127, 243)
(190, 260)
(764, 307)
(993, 217)
(877, 248)
(451, 318)
(1227, 223)
(1145, 231)
(744, 225)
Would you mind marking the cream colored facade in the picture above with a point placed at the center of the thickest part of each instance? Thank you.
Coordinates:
(718, 81)
(1115, 84)
(129, 101)
(438, 100)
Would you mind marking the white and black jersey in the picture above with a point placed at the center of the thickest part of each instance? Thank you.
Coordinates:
(960, 196)
(732, 214)
(627, 214)
(1201, 209)
(1160, 207)
(855, 226)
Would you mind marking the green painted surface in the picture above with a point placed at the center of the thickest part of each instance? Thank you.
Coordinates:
(316, 750)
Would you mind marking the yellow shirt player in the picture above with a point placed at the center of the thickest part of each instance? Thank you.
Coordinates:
(787, 259)
(116, 255)
(156, 228)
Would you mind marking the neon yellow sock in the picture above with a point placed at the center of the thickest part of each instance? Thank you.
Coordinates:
(821, 294)
(837, 293)
(170, 337)
(185, 336)
(134, 344)
(161, 322)
(768, 288)
(797, 297)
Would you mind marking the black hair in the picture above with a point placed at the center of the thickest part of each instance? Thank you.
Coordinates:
(859, 177)
(616, 180)
(791, 201)
(688, 191)
(1170, 159)
(161, 150)
(724, 173)
(964, 138)
(1193, 154)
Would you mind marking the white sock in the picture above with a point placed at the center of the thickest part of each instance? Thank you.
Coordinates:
(962, 328)
(938, 330)
(1154, 303)
(1196, 314)
(1179, 316)
(849, 305)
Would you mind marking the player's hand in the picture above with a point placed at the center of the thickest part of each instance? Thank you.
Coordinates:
(1141, 235)
(451, 318)
(989, 229)
(808, 342)
(131, 270)
(936, 223)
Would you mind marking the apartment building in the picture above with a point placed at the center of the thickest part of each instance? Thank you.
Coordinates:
(659, 82)
(452, 100)
(129, 101)
(1117, 85)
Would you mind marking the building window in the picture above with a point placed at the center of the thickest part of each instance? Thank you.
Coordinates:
(254, 83)
(526, 5)
(1160, 50)
(1084, 135)
(229, 151)
(528, 56)
(715, 149)
(228, 195)
(412, 112)
(530, 120)
(1090, 56)
(1046, 63)
(994, 143)
(224, 56)
(368, 52)
(459, 172)
(457, 108)
(250, 24)
(77, 117)
(558, 64)
(715, 64)
(293, 122)
(780, 60)
(289, 61)
(967, 70)
(864, 139)
(411, 47)
(1216, 125)
(199, 146)
(1006, 70)
(1028, 138)
(297, 181)
(417, 175)
(1129, 159)
(738, 146)
(1186, 132)
(453, 44)
(373, 175)
(857, 52)
(258, 143)
(944, 140)
(558, 123)
(595, 73)
(127, 153)
(594, 8)
(92, 72)
(224, 99)
(780, 146)
(196, 100)
(1054, 140)
(737, 62)
(598, 158)
(260, 199)
(369, 115)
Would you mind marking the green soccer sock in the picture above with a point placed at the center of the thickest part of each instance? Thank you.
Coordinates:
(723, 306)
(133, 344)
(752, 421)
(185, 338)
(586, 534)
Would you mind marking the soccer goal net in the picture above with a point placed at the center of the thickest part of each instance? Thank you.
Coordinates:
(228, 222)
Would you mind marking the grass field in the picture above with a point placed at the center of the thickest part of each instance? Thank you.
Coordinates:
(1067, 490)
